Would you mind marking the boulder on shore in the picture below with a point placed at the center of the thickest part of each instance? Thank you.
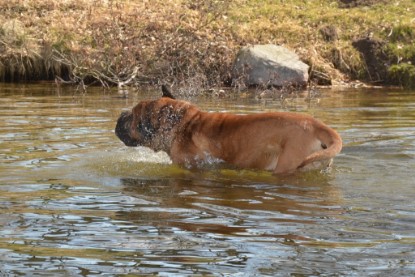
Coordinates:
(269, 65)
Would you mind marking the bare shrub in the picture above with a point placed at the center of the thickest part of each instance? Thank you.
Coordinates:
(150, 44)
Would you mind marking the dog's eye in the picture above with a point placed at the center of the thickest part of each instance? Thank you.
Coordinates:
(324, 146)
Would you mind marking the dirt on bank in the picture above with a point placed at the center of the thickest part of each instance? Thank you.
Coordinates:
(193, 43)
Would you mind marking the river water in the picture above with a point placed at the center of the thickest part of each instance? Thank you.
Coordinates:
(74, 201)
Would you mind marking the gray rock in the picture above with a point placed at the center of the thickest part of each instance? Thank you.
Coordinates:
(269, 65)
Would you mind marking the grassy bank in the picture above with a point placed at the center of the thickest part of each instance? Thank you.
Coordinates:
(193, 43)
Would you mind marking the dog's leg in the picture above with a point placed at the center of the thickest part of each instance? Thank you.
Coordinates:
(286, 163)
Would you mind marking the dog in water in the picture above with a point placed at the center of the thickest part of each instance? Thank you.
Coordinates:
(281, 142)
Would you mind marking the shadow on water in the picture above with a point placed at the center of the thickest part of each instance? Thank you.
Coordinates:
(229, 202)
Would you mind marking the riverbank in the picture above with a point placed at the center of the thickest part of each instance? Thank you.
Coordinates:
(193, 43)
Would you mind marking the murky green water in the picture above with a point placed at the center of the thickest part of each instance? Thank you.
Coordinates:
(75, 201)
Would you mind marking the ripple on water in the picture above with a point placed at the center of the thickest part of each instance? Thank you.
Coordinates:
(74, 201)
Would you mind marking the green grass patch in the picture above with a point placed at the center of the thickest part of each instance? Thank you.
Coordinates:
(403, 74)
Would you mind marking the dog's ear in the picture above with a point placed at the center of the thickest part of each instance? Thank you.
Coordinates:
(166, 92)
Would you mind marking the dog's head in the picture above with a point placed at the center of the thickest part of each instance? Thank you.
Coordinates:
(150, 123)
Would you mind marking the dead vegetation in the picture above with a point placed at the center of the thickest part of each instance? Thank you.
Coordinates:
(115, 42)
(190, 44)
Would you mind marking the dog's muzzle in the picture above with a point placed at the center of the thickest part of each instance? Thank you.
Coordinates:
(122, 129)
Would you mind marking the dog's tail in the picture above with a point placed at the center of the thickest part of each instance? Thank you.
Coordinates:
(331, 143)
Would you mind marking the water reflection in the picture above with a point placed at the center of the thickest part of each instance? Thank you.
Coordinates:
(236, 206)
(74, 201)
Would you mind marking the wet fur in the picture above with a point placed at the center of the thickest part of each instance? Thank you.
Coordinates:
(280, 142)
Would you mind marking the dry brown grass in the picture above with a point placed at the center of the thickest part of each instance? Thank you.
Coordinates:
(184, 42)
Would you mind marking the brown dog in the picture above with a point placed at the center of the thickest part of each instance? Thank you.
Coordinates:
(280, 142)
